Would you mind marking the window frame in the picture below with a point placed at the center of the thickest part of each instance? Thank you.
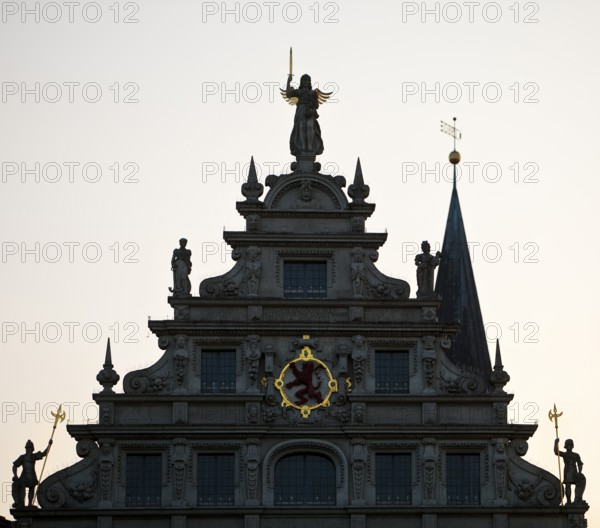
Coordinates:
(478, 483)
(394, 478)
(128, 480)
(324, 274)
(232, 387)
(232, 456)
(405, 367)
(306, 482)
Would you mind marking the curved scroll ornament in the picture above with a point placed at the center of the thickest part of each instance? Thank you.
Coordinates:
(241, 280)
(529, 484)
(460, 380)
(155, 379)
(306, 383)
(75, 486)
(159, 378)
(369, 282)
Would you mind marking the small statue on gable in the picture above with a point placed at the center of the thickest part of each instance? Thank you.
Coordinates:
(426, 264)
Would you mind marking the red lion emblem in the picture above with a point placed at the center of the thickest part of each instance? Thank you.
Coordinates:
(305, 377)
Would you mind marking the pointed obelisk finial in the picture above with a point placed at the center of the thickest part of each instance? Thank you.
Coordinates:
(108, 356)
(498, 362)
(454, 156)
(108, 377)
(252, 190)
(499, 377)
(358, 191)
(252, 172)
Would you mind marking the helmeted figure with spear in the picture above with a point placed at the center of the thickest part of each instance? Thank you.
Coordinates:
(572, 462)
(28, 478)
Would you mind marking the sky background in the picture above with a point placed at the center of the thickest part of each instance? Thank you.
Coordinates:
(127, 127)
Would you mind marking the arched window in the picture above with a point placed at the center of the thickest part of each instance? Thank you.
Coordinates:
(304, 479)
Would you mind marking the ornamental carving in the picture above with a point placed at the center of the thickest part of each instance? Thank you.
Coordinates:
(180, 361)
(179, 461)
(359, 359)
(359, 462)
(306, 383)
(252, 471)
(251, 359)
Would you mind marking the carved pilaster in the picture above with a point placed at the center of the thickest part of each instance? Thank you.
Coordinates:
(359, 462)
(358, 273)
(429, 471)
(253, 269)
(342, 354)
(105, 469)
(500, 471)
(359, 359)
(180, 361)
(429, 362)
(269, 354)
(179, 461)
(252, 357)
(252, 470)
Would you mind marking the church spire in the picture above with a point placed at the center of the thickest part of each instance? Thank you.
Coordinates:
(456, 285)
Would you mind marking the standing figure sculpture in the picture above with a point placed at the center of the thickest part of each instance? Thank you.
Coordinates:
(28, 478)
(306, 134)
(572, 472)
(426, 264)
(181, 266)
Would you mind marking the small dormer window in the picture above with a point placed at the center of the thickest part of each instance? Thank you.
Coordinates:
(305, 279)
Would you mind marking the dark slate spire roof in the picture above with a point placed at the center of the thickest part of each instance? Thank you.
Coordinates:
(456, 285)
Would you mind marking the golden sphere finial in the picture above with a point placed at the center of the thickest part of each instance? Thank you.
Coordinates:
(454, 157)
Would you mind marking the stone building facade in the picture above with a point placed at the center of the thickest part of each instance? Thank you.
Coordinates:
(305, 388)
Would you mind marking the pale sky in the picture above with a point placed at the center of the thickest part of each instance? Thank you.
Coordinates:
(125, 128)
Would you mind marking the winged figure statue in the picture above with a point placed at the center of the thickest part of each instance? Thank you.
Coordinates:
(306, 134)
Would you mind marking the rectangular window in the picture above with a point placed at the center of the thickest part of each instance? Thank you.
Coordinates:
(391, 372)
(393, 478)
(462, 478)
(143, 480)
(305, 279)
(215, 479)
(217, 371)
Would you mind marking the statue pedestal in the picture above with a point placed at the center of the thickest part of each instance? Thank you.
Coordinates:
(305, 163)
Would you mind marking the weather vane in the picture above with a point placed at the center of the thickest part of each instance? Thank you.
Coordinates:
(454, 156)
(451, 130)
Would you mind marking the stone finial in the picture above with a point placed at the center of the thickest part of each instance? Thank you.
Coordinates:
(108, 377)
(252, 189)
(358, 191)
(499, 377)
